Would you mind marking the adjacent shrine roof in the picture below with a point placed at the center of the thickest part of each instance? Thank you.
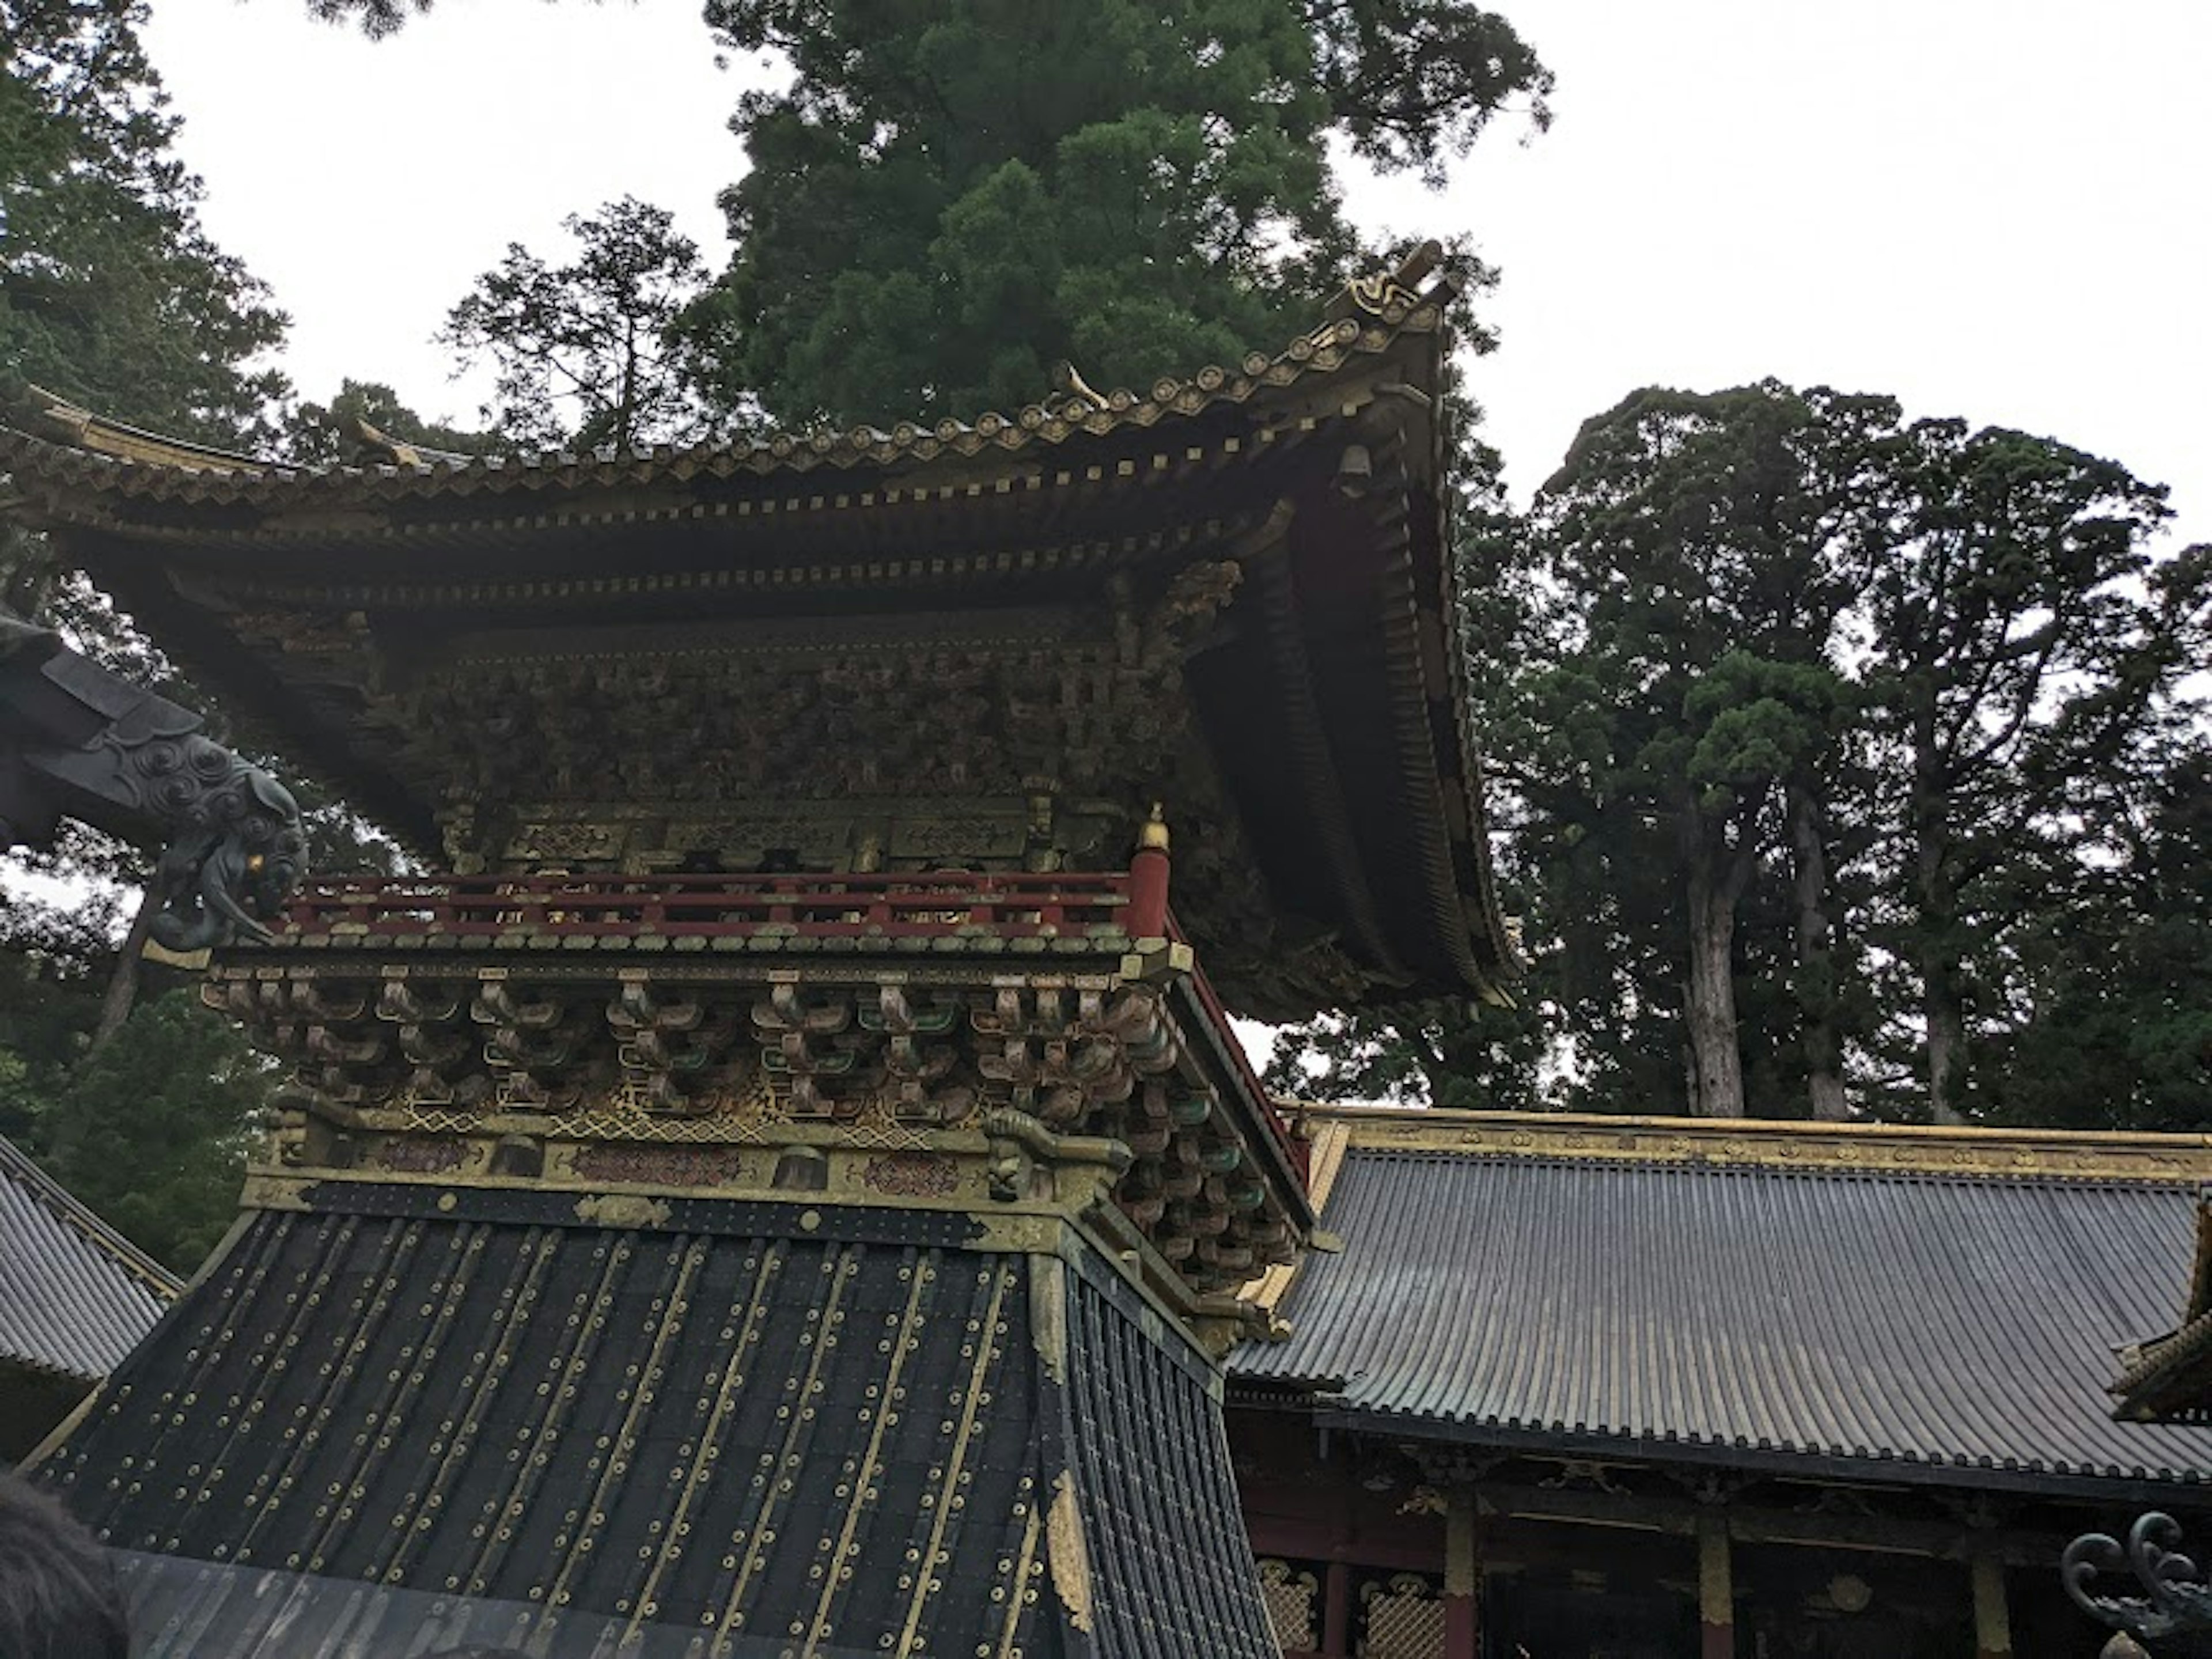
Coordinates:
(76, 1296)
(1233, 589)
(2170, 1376)
(1893, 1304)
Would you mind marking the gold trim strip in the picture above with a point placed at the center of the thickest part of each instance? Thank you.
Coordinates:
(844, 1271)
(926, 1575)
(670, 1323)
(1018, 1591)
(886, 1413)
(495, 1372)
(569, 1368)
(770, 1270)
(2086, 1155)
(393, 1269)
(465, 1243)
(276, 1480)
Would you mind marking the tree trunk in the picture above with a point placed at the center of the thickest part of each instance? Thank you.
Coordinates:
(1941, 1007)
(1816, 963)
(1946, 1048)
(1716, 1064)
(123, 982)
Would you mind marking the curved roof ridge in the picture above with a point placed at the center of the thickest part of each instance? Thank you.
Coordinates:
(1370, 312)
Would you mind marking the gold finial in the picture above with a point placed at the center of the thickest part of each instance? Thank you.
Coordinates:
(1155, 831)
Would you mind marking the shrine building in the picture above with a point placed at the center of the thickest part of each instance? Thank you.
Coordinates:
(783, 1181)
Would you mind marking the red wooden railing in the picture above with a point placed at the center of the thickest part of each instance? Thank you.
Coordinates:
(932, 905)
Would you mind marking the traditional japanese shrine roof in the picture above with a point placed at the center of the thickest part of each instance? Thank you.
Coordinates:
(1895, 1304)
(2170, 1376)
(1261, 549)
(871, 1438)
(76, 1296)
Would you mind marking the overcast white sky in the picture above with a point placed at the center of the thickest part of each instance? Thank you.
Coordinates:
(1996, 208)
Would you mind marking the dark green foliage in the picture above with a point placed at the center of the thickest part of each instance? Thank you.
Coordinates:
(1890, 719)
(321, 435)
(152, 1132)
(586, 353)
(112, 296)
(111, 293)
(2107, 1024)
(2018, 660)
(952, 195)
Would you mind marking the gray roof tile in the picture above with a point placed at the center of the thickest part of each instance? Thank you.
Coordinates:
(1964, 1321)
(74, 1294)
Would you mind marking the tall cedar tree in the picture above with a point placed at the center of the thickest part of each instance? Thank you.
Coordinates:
(952, 195)
(1850, 768)
(112, 295)
(2018, 657)
(1701, 547)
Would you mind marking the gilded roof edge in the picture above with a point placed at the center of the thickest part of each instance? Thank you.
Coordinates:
(1366, 318)
(1835, 1148)
(83, 428)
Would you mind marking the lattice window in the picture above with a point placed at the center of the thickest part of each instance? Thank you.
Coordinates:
(1400, 1617)
(1293, 1599)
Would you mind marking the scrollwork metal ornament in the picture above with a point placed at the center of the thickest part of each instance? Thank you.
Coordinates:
(2173, 1598)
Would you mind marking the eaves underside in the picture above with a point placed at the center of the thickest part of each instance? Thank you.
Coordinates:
(2088, 1483)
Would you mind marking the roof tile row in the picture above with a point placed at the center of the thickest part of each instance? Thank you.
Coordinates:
(1959, 1322)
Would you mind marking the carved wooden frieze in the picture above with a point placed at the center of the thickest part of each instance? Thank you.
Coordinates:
(419, 1051)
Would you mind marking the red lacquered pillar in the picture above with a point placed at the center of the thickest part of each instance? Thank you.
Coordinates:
(1148, 879)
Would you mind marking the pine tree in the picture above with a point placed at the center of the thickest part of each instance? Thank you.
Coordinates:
(586, 353)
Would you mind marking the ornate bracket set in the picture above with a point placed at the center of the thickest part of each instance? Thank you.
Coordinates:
(948, 1037)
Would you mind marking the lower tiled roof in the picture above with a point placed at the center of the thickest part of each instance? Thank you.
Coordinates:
(1959, 1322)
(76, 1296)
(871, 1438)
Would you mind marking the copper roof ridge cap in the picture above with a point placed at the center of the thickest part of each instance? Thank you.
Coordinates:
(20, 1167)
(1357, 1112)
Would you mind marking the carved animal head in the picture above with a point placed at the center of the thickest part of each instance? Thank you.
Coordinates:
(241, 853)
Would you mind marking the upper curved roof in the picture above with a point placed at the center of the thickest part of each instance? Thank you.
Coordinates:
(1328, 691)
(91, 457)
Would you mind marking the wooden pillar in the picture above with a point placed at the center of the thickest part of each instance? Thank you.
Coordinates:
(1992, 1621)
(1336, 1612)
(1716, 1591)
(1462, 1578)
(1147, 914)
